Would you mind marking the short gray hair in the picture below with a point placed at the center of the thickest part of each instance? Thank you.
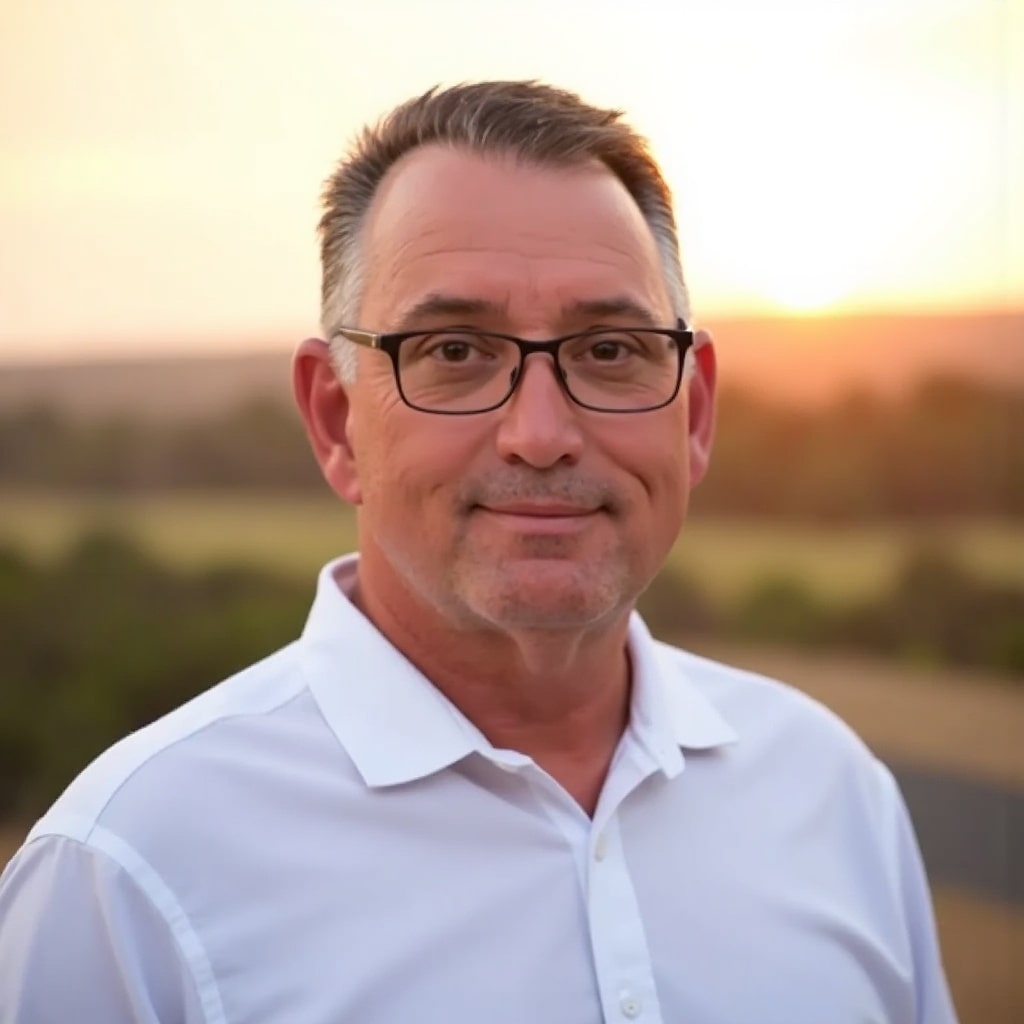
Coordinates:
(536, 123)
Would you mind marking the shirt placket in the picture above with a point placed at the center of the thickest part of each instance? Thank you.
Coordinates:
(622, 960)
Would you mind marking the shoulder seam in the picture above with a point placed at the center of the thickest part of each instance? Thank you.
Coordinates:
(176, 742)
(165, 904)
(95, 814)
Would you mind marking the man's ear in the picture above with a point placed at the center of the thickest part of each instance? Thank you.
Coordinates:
(326, 409)
(701, 391)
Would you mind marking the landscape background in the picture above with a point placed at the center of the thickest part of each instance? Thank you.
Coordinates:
(859, 536)
(850, 192)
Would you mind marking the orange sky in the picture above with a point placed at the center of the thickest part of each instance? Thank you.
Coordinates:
(160, 163)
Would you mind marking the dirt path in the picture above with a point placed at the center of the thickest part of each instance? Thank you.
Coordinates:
(983, 949)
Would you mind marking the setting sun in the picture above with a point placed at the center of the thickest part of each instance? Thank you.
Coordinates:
(847, 167)
(802, 293)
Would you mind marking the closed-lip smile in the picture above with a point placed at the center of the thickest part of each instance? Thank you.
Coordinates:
(541, 518)
(540, 510)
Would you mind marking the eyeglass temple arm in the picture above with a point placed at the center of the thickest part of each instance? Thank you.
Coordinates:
(367, 338)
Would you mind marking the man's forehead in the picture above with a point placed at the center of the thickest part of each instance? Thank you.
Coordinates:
(449, 305)
(465, 229)
(445, 188)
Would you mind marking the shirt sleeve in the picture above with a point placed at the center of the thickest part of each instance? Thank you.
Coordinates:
(79, 941)
(934, 1002)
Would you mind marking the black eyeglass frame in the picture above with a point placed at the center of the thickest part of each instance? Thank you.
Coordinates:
(391, 342)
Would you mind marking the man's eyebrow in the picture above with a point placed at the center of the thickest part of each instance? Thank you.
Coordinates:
(437, 304)
(617, 307)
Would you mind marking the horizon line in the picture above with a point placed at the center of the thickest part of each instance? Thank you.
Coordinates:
(179, 347)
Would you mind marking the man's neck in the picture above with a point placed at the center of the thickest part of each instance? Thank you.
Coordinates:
(560, 697)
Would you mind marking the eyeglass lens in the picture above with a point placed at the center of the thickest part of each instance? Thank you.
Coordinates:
(463, 371)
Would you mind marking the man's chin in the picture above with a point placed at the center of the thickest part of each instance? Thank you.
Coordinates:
(546, 594)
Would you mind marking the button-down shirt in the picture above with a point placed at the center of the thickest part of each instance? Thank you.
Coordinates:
(325, 838)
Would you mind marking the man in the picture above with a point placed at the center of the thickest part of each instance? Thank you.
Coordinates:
(476, 789)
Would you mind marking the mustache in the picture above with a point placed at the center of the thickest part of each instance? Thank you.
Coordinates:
(565, 486)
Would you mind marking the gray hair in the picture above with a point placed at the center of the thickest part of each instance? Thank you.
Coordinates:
(536, 123)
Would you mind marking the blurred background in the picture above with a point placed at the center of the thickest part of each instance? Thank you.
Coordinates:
(849, 181)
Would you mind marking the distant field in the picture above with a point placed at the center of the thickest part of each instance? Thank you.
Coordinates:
(296, 535)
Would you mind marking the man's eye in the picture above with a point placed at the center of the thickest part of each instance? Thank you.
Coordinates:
(456, 348)
(608, 351)
(615, 347)
(453, 351)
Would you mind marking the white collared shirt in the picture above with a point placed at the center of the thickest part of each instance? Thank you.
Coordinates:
(324, 838)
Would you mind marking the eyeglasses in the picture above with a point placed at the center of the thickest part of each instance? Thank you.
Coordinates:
(458, 372)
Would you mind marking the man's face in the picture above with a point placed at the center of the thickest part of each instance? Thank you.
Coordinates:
(539, 514)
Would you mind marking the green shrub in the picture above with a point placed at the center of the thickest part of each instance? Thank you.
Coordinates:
(781, 610)
(940, 614)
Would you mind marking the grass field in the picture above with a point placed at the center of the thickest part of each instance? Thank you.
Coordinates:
(297, 534)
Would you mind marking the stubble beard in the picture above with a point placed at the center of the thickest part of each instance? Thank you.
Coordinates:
(541, 584)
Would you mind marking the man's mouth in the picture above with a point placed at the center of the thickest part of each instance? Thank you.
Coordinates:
(541, 509)
(540, 518)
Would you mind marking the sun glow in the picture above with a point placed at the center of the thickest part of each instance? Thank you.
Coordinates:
(824, 156)
(802, 292)
(840, 169)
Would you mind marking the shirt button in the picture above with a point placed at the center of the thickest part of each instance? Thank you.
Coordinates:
(600, 848)
(630, 1006)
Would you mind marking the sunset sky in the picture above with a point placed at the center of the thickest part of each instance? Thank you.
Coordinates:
(160, 162)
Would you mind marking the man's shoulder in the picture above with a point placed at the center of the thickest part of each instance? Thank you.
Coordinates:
(173, 753)
(766, 710)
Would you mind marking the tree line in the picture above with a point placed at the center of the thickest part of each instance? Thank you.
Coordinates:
(951, 447)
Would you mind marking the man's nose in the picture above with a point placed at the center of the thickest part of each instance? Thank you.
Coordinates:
(540, 424)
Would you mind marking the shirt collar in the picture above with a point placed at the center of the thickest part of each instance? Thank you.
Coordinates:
(393, 723)
(396, 726)
(669, 711)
